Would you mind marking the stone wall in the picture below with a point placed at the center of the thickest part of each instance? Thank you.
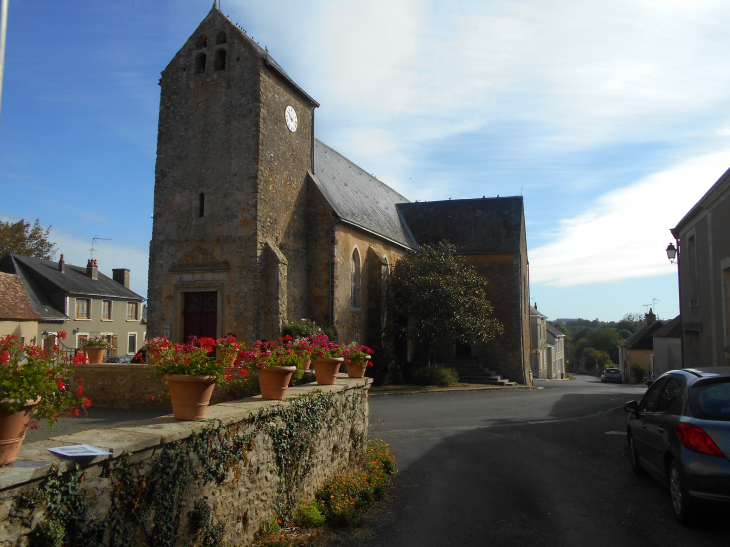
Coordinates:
(112, 385)
(249, 461)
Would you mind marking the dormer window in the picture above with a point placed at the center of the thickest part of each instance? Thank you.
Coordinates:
(222, 38)
(200, 61)
(220, 59)
(201, 42)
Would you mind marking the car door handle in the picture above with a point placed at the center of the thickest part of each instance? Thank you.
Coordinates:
(660, 430)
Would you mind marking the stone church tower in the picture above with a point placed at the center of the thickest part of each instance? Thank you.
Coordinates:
(235, 144)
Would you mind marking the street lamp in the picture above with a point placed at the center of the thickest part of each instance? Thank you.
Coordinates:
(671, 252)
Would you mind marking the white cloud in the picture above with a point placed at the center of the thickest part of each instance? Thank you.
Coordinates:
(625, 232)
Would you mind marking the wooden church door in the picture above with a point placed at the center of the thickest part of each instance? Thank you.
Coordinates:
(200, 315)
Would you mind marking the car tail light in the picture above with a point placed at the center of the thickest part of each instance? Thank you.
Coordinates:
(695, 439)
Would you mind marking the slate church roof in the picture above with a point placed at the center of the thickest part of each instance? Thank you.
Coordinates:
(357, 197)
(43, 281)
(487, 225)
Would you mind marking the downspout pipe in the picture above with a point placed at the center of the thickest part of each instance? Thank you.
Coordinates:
(3, 36)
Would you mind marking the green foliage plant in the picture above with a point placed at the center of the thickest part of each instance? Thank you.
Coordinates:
(444, 299)
(304, 328)
(344, 497)
(434, 375)
(22, 239)
(97, 342)
(639, 371)
(30, 373)
(309, 515)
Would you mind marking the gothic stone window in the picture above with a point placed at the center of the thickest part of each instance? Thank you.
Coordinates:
(222, 38)
(355, 281)
(200, 61)
(220, 60)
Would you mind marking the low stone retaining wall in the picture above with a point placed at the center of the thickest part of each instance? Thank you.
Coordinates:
(186, 483)
(116, 385)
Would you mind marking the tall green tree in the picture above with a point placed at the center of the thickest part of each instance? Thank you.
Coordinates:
(23, 239)
(444, 300)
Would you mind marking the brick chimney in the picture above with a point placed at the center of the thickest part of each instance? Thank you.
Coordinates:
(92, 270)
(61, 265)
(121, 276)
(649, 318)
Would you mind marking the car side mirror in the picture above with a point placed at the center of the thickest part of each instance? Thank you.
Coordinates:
(632, 406)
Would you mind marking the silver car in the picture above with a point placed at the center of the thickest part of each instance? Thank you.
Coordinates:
(680, 434)
(612, 375)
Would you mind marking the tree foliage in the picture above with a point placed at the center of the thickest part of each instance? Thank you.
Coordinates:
(22, 239)
(444, 299)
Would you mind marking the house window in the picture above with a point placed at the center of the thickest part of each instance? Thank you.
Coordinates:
(83, 308)
(220, 60)
(132, 345)
(132, 311)
(200, 61)
(355, 279)
(106, 310)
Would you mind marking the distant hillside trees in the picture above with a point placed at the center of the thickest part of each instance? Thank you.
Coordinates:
(23, 239)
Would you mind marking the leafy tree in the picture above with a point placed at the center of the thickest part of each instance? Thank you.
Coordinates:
(605, 339)
(20, 238)
(444, 299)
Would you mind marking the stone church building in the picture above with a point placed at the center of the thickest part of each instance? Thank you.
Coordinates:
(258, 223)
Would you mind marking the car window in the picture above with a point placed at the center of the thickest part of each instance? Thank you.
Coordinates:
(671, 398)
(651, 397)
(711, 401)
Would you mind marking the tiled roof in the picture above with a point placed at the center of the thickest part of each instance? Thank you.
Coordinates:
(643, 338)
(671, 329)
(554, 331)
(535, 313)
(357, 197)
(14, 304)
(487, 225)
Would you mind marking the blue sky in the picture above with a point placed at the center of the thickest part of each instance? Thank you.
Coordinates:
(610, 118)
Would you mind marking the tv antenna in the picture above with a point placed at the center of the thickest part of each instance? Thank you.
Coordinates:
(93, 242)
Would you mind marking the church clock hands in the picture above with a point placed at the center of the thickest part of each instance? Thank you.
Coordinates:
(291, 118)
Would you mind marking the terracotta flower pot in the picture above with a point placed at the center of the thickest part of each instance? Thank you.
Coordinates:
(357, 371)
(274, 381)
(189, 395)
(306, 361)
(326, 369)
(95, 354)
(13, 426)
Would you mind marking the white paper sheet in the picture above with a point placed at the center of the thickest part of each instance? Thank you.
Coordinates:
(78, 450)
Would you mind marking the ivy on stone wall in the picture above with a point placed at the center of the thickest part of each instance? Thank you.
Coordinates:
(150, 508)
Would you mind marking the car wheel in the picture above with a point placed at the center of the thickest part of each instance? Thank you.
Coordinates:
(680, 498)
(635, 464)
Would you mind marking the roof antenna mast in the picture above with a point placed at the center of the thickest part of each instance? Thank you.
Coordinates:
(93, 242)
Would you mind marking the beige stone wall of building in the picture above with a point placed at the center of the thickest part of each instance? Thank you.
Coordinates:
(22, 329)
(376, 258)
(244, 490)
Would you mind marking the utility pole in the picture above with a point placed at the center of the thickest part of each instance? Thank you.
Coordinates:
(3, 35)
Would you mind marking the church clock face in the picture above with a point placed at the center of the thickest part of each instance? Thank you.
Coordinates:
(291, 118)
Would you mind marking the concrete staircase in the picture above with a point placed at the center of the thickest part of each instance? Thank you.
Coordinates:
(472, 372)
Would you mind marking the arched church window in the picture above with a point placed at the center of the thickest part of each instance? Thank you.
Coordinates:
(222, 38)
(201, 42)
(200, 61)
(355, 282)
(201, 205)
(220, 60)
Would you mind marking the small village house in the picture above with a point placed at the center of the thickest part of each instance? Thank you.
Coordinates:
(638, 349)
(538, 337)
(17, 317)
(703, 241)
(83, 302)
(668, 347)
(556, 351)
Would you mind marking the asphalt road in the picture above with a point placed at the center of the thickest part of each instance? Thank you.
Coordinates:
(522, 468)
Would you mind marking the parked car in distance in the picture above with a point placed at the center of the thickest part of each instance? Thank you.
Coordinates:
(612, 375)
(119, 359)
(679, 433)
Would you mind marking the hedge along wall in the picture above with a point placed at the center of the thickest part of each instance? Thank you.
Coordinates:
(171, 483)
